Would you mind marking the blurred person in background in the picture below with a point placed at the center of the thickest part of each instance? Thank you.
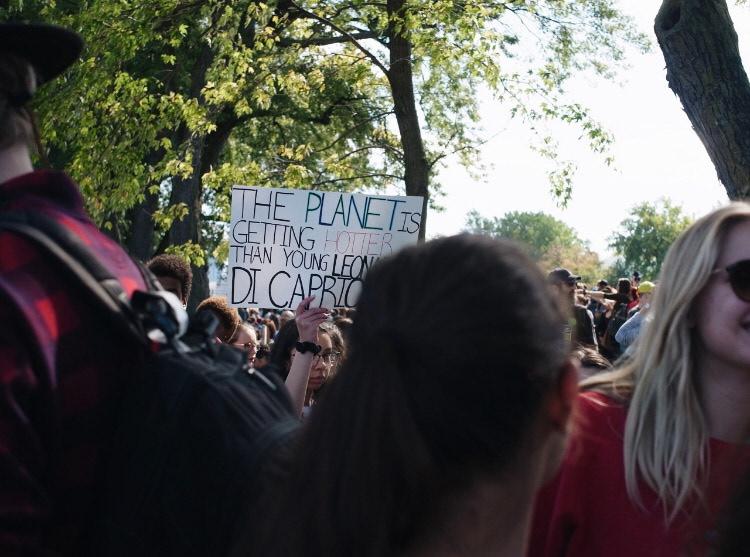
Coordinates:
(564, 283)
(628, 333)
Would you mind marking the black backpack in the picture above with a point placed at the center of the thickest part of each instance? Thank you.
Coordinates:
(196, 427)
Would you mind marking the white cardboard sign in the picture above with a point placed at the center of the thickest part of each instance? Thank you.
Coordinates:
(287, 244)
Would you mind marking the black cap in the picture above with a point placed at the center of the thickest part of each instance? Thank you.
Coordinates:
(602, 283)
(562, 275)
(49, 49)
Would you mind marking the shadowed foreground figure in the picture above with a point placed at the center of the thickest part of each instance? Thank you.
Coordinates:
(61, 371)
(439, 428)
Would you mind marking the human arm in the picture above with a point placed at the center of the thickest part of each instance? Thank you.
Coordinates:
(595, 295)
(308, 320)
(629, 330)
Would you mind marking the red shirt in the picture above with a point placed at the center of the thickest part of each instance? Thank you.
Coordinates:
(586, 512)
(60, 371)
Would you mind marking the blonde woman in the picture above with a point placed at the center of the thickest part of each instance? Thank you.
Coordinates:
(662, 438)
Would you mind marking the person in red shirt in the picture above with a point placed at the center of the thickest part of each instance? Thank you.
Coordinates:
(60, 371)
(661, 440)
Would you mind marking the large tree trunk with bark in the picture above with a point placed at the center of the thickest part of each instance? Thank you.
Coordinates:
(188, 229)
(704, 69)
(140, 241)
(400, 77)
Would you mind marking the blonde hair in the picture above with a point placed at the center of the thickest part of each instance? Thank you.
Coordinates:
(666, 434)
(18, 85)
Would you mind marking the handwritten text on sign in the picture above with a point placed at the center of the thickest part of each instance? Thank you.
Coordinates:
(285, 245)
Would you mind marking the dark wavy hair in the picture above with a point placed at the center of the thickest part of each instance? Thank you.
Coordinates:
(170, 265)
(429, 399)
(229, 319)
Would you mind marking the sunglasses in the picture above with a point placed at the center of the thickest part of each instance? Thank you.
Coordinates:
(739, 278)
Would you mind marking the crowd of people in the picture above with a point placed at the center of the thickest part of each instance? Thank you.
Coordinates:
(481, 408)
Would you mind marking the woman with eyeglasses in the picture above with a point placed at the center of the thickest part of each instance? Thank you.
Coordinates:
(324, 363)
(246, 339)
(662, 438)
(306, 354)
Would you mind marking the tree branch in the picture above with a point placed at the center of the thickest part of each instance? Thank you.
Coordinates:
(323, 41)
(354, 41)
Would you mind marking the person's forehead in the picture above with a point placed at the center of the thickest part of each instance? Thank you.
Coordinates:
(170, 283)
(245, 334)
(736, 245)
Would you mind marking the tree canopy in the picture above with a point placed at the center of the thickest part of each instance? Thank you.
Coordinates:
(646, 235)
(549, 241)
(176, 100)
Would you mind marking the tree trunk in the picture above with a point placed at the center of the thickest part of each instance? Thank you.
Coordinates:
(704, 69)
(400, 77)
(190, 192)
(140, 241)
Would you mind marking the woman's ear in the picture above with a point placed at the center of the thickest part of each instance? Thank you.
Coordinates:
(557, 416)
(561, 401)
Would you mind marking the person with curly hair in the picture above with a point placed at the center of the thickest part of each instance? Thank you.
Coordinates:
(229, 318)
(174, 274)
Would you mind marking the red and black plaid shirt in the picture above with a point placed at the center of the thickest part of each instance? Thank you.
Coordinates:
(60, 371)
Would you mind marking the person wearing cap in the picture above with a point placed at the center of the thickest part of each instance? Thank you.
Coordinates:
(629, 331)
(635, 281)
(61, 372)
(564, 283)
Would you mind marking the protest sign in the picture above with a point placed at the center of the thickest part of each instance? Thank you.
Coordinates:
(287, 244)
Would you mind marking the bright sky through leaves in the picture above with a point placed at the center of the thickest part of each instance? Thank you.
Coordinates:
(656, 152)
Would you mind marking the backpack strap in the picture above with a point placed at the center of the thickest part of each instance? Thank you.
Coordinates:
(81, 264)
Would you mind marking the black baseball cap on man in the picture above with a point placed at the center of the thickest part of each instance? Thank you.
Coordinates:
(562, 275)
(49, 49)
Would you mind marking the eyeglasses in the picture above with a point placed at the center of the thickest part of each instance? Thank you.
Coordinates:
(739, 278)
(328, 358)
(247, 346)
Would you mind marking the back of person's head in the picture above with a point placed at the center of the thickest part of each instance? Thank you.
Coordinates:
(623, 286)
(592, 362)
(666, 429)
(173, 267)
(271, 316)
(270, 324)
(430, 400)
(284, 317)
(229, 319)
